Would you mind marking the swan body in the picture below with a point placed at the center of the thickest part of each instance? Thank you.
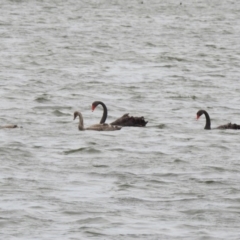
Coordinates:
(9, 126)
(129, 121)
(96, 127)
(125, 120)
(208, 122)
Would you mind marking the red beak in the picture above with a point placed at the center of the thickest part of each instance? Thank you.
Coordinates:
(93, 107)
(197, 117)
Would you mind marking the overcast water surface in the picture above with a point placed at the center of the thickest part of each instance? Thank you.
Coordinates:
(163, 60)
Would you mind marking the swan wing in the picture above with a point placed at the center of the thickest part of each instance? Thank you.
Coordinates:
(229, 126)
(130, 121)
(103, 127)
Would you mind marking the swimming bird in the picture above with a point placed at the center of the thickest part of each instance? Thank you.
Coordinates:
(9, 126)
(125, 120)
(96, 127)
(208, 122)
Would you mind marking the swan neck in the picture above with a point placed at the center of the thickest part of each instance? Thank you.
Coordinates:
(81, 124)
(105, 112)
(208, 121)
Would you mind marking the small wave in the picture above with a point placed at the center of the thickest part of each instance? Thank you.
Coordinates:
(218, 169)
(93, 220)
(100, 166)
(183, 97)
(179, 161)
(138, 97)
(169, 66)
(218, 75)
(209, 181)
(176, 59)
(59, 113)
(150, 44)
(41, 100)
(161, 126)
(155, 181)
(211, 45)
(84, 149)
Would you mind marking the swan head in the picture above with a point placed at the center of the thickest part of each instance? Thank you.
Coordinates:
(94, 104)
(75, 115)
(199, 113)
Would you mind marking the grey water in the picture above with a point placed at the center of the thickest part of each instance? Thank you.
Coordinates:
(163, 60)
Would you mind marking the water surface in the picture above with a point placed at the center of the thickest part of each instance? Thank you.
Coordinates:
(162, 60)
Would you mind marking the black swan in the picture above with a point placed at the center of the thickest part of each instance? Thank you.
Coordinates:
(125, 120)
(9, 126)
(208, 122)
(96, 127)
